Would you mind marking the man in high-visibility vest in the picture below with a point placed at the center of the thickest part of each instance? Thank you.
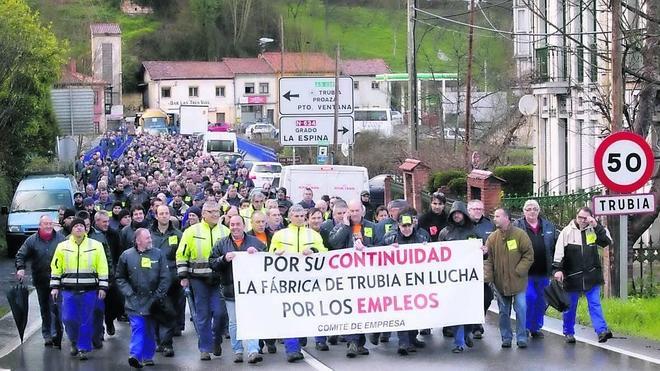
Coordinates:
(296, 238)
(192, 262)
(79, 268)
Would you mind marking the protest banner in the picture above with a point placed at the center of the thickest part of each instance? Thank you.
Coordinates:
(347, 291)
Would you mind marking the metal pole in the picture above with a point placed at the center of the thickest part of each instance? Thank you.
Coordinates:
(293, 158)
(468, 88)
(334, 138)
(412, 79)
(623, 257)
(616, 74)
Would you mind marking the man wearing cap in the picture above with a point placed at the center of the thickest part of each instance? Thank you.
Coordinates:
(369, 209)
(389, 224)
(283, 201)
(65, 223)
(406, 233)
(39, 249)
(79, 270)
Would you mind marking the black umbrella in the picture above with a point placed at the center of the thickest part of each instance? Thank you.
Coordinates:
(18, 302)
(556, 297)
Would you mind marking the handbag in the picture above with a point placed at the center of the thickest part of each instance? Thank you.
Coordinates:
(556, 296)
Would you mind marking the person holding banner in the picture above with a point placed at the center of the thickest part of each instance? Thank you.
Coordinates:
(296, 238)
(543, 235)
(224, 251)
(510, 255)
(459, 227)
(353, 232)
(577, 265)
(406, 233)
(192, 262)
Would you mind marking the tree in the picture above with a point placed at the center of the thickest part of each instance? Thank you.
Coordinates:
(30, 61)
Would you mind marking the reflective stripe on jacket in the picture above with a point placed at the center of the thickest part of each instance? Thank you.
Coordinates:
(297, 239)
(79, 267)
(192, 256)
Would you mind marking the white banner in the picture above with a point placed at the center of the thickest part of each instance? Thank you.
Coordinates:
(351, 292)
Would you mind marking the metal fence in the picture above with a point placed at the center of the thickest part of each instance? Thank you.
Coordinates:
(645, 278)
(559, 208)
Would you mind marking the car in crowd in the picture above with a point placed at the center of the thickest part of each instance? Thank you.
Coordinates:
(262, 172)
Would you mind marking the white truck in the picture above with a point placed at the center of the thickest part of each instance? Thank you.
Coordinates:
(220, 143)
(333, 180)
(193, 119)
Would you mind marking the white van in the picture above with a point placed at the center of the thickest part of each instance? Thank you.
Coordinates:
(378, 120)
(219, 143)
(333, 180)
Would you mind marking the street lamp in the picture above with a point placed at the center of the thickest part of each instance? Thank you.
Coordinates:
(263, 42)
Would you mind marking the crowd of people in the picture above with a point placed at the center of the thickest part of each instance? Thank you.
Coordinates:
(160, 227)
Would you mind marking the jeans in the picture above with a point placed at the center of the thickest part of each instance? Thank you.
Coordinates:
(536, 304)
(595, 311)
(462, 332)
(292, 345)
(252, 345)
(143, 337)
(208, 311)
(51, 326)
(77, 315)
(520, 306)
(99, 318)
(406, 337)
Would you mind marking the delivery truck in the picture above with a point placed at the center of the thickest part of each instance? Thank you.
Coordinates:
(333, 180)
(193, 119)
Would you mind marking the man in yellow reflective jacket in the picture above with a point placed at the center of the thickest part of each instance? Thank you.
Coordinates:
(80, 270)
(192, 262)
(296, 238)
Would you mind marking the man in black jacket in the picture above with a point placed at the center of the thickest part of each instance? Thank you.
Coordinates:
(434, 220)
(39, 249)
(221, 258)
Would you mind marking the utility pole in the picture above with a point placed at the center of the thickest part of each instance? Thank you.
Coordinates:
(468, 88)
(413, 143)
(335, 146)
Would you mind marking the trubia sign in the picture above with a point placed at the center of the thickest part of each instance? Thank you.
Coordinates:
(624, 204)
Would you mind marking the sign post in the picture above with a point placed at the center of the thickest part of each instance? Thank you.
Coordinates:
(623, 163)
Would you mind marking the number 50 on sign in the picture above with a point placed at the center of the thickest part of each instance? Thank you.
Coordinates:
(624, 162)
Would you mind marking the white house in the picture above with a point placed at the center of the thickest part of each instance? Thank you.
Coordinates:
(169, 84)
(255, 90)
(556, 48)
(367, 91)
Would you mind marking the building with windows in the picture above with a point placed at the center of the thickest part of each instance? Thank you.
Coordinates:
(107, 66)
(561, 52)
(367, 91)
(255, 89)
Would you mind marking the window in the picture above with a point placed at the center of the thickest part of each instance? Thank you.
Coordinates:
(356, 85)
(249, 88)
(542, 63)
(166, 92)
(219, 91)
(263, 88)
(220, 117)
(375, 84)
(193, 91)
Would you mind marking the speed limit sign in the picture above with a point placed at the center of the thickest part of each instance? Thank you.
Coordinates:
(624, 162)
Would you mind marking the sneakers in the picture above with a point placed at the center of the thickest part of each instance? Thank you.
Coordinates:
(295, 356)
(362, 350)
(351, 352)
(217, 350)
(478, 334)
(402, 351)
(603, 336)
(82, 356)
(323, 347)
(149, 362)
(204, 356)
(168, 352)
(570, 339)
(373, 339)
(522, 344)
(457, 349)
(133, 362)
(536, 334)
(254, 358)
(506, 344)
(468, 340)
(238, 358)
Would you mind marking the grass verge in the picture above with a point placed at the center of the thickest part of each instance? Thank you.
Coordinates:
(634, 317)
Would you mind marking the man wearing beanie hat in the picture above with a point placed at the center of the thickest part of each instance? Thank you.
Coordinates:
(65, 222)
(79, 270)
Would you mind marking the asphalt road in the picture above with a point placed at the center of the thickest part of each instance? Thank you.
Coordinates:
(550, 353)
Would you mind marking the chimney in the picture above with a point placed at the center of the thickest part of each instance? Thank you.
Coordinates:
(72, 65)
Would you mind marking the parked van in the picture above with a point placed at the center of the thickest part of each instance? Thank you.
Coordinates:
(378, 120)
(36, 195)
(219, 143)
(333, 180)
